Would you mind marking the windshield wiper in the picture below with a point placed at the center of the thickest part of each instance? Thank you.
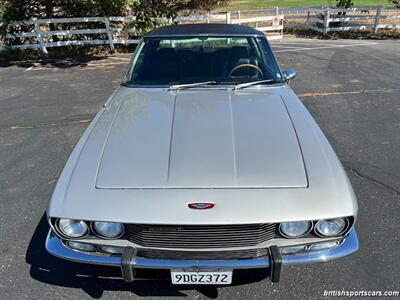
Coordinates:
(247, 84)
(176, 87)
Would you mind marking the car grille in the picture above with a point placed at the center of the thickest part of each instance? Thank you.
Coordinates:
(200, 236)
(202, 255)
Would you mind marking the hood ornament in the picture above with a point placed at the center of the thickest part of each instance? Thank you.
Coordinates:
(202, 205)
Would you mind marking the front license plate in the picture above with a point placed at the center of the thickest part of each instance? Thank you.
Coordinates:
(201, 277)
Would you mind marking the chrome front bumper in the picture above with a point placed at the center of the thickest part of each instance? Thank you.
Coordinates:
(55, 246)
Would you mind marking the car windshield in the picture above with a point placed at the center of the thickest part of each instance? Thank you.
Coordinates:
(222, 60)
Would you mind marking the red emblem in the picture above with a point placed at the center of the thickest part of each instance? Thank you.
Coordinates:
(201, 205)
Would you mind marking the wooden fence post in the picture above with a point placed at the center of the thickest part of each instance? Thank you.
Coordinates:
(228, 18)
(109, 33)
(40, 36)
(377, 18)
(279, 19)
(327, 15)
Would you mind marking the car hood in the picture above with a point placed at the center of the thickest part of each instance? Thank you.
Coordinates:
(201, 138)
(150, 152)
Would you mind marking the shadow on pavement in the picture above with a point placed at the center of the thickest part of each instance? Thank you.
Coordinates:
(53, 63)
(94, 280)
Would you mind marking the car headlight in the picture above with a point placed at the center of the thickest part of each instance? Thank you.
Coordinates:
(295, 229)
(331, 227)
(73, 228)
(108, 230)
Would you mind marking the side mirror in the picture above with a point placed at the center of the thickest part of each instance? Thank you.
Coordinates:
(289, 74)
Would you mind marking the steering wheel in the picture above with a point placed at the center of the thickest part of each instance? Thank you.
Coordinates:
(245, 66)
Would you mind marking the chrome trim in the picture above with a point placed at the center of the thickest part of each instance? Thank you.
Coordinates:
(203, 237)
(289, 74)
(55, 247)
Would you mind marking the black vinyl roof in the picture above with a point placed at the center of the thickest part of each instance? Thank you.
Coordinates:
(203, 30)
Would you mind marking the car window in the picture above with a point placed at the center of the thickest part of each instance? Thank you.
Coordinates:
(225, 60)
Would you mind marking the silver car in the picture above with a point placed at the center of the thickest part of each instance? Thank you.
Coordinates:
(203, 161)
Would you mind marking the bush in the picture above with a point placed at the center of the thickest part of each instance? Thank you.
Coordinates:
(344, 3)
(395, 2)
(144, 10)
(147, 12)
(27, 9)
(2, 20)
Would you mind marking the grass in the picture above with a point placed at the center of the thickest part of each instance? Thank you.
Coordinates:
(261, 4)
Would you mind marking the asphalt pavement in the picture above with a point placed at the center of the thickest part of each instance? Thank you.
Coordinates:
(351, 87)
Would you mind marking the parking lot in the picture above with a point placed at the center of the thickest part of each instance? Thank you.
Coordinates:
(352, 89)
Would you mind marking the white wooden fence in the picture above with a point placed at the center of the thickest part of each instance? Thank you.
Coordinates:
(43, 38)
(40, 36)
(112, 31)
(261, 23)
(333, 19)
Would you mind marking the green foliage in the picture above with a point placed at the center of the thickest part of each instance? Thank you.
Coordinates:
(27, 9)
(147, 12)
(344, 3)
(2, 19)
(395, 2)
(2, 8)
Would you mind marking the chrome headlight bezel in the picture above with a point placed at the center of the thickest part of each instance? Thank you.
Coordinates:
(284, 234)
(97, 232)
(69, 236)
(340, 232)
